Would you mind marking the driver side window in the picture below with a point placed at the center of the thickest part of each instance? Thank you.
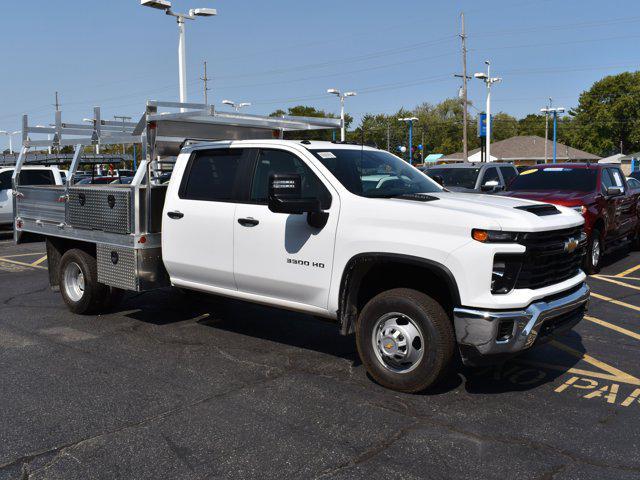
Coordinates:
(491, 174)
(278, 161)
(607, 181)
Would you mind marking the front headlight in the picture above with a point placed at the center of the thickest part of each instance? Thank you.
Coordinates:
(493, 236)
(506, 269)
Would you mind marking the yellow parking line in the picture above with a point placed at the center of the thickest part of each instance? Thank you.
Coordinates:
(39, 261)
(616, 276)
(4, 259)
(612, 326)
(619, 374)
(616, 302)
(23, 255)
(611, 280)
(628, 271)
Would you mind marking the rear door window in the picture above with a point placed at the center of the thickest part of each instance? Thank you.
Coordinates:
(616, 175)
(5, 180)
(36, 177)
(213, 175)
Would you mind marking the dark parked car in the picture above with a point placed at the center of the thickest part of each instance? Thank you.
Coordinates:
(598, 191)
(473, 177)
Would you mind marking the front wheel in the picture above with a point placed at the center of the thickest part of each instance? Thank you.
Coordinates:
(594, 253)
(405, 340)
(79, 284)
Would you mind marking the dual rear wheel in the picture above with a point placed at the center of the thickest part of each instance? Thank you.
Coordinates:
(79, 286)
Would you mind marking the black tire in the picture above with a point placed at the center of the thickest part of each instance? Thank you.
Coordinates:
(437, 342)
(590, 266)
(91, 297)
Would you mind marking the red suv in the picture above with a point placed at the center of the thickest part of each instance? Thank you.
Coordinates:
(598, 191)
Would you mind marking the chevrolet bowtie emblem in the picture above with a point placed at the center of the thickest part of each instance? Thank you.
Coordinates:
(570, 245)
(388, 346)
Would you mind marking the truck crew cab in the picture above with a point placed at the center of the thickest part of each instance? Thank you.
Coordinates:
(346, 232)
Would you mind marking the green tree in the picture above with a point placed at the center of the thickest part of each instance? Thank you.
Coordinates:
(308, 111)
(608, 115)
(532, 124)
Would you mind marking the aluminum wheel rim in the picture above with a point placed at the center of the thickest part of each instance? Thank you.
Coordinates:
(398, 342)
(595, 252)
(74, 282)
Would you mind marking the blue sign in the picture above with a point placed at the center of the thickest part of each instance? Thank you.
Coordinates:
(482, 124)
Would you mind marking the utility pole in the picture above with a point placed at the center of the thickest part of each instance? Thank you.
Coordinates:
(205, 79)
(388, 137)
(546, 133)
(57, 104)
(422, 149)
(465, 77)
(554, 111)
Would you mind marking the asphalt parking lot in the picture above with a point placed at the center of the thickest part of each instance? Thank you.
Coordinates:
(176, 386)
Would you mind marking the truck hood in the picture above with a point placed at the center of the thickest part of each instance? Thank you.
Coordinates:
(496, 212)
(569, 198)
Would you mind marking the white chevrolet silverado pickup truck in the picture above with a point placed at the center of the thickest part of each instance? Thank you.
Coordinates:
(345, 232)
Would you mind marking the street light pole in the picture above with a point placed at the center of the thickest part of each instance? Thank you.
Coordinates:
(410, 121)
(488, 80)
(554, 111)
(165, 5)
(342, 96)
(236, 105)
(10, 135)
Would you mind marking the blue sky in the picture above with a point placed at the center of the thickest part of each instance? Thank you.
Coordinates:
(279, 53)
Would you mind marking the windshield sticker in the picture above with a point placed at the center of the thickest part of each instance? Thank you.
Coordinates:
(326, 155)
(527, 172)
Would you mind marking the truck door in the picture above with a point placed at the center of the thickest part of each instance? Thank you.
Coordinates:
(6, 198)
(611, 207)
(280, 255)
(626, 204)
(198, 219)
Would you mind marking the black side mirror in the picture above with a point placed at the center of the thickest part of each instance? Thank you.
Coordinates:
(285, 196)
(438, 179)
(613, 191)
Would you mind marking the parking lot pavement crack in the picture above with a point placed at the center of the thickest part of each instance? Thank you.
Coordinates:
(554, 471)
(269, 368)
(7, 300)
(523, 442)
(61, 451)
(367, 454)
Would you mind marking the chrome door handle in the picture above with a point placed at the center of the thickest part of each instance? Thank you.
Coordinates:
(248, 222)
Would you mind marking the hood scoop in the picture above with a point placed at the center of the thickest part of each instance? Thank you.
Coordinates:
(417, 197)
(540, 210)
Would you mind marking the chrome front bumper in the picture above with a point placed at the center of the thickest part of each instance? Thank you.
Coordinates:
(498, 333)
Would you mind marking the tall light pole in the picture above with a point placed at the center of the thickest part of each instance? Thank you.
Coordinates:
(10, 135)
(488, 80)
(236, 105)
(165, 5)
(342, 96)
(554, 111)
(410, 121)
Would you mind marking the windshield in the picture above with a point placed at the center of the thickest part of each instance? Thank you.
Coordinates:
(556, 178)
(456, 177)
(374, 173)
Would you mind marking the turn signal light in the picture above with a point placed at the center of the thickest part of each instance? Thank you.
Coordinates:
(480, 235)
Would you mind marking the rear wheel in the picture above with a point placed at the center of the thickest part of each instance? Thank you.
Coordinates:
(79, 283)
(594, 253)
(405, 339)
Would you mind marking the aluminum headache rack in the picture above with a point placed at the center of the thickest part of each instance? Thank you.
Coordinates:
(124, 221)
